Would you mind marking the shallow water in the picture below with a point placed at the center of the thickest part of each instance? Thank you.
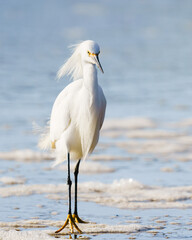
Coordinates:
(150, 189)
(146, 55)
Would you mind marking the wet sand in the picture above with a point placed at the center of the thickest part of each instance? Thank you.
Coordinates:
(136, 184)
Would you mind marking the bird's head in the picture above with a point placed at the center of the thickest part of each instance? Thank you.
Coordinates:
(87, 52)
(90, 51)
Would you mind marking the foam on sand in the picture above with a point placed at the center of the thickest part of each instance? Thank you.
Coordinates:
(26, 155)
(23, 235)
(89, 167)
(128, 123)
(8, 229)
(127, 193)
(12, 181)
(141, 136)
(123, 193)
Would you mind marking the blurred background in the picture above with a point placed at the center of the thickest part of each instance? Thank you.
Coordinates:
(146, 54)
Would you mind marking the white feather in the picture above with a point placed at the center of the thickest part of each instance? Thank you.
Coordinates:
(44, 141)
(73, 65)
(79, 110)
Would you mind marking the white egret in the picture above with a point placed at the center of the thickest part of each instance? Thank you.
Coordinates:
(77, 115)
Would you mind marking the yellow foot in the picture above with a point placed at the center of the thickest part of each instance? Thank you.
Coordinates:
(77, 219)
(70, 220)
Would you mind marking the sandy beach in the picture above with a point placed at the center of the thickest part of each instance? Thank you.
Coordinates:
(159, 153)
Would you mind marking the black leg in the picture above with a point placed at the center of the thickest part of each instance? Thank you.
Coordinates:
(76, 172)
(69, 182)
(75, 214)
(70, 220)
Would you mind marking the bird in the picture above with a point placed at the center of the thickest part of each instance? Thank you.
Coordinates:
(77, 116)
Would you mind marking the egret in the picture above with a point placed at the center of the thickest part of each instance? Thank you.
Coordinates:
(77, 116)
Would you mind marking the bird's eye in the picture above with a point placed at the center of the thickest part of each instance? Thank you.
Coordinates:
(88, 52)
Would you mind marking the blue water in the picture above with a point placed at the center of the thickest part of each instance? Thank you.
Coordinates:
(146, 53)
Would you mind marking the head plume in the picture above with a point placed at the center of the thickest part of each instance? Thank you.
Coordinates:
(81, 53)
(73, 65)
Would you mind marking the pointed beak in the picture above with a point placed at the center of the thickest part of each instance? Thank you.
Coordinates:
(97, 62)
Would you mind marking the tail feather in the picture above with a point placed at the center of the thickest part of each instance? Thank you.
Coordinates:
(45, 141)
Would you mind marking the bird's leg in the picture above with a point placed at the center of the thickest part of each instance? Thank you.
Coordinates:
(76, 172)
(69, 219)
(75, 214)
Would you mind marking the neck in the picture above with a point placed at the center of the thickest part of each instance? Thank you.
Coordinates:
(90, 77)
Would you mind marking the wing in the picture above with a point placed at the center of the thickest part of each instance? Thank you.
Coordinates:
(103, 106)
(95, 128)
(61, 111)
